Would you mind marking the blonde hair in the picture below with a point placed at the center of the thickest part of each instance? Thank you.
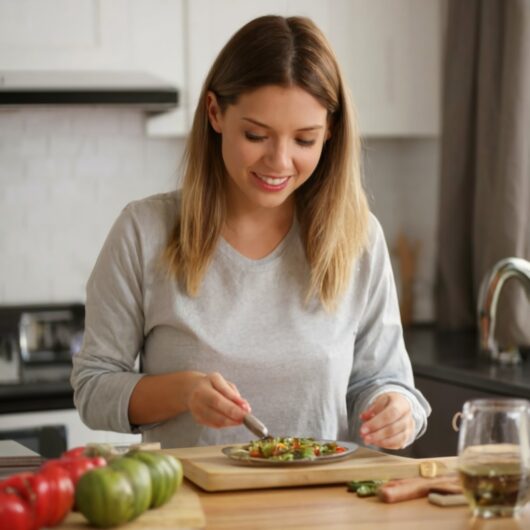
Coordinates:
(331, 205)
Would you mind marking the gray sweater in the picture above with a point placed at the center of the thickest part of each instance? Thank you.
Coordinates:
(304, 371)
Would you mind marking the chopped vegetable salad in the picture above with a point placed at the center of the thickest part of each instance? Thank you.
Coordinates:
(287, 449)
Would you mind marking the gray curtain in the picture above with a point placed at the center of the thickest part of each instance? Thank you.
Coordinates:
(484, 211)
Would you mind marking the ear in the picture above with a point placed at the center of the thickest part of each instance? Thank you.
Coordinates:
(214, 112)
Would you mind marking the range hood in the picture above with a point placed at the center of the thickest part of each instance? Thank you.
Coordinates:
(20, 88)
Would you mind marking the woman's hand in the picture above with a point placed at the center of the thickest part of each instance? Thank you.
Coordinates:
(388, 421)
(215, 402)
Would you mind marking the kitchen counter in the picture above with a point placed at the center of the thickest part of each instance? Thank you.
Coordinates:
(242, 497)
(306, 508)
(447, 357)
(334, 508)
(453, 357)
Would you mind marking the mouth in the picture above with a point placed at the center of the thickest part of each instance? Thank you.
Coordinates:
(271, 183)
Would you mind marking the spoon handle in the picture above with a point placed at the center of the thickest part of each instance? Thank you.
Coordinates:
(255, 426)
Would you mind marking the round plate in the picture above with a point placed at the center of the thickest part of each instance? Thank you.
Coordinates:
(236, 453)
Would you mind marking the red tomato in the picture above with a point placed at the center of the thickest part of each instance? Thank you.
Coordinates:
(18, 484)
(98, 461)
(76, 467)
(49, 494)
(61, 493)
(15, 512)
(35, 491)
(74, 452)
(41, 488)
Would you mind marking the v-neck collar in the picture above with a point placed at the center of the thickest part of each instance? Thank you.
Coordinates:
(228, 250)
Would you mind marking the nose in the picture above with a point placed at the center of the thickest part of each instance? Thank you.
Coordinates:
(278, 157)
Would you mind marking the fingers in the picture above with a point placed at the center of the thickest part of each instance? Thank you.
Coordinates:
(215, 402)
(396, 441)
(388, 422)
(393, 436)
(228, 389)
(376, 407)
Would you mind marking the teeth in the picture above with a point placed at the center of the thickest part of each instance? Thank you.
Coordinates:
(272, 181)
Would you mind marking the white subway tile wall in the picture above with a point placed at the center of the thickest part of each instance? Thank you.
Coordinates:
(65, 175)
(402, 177)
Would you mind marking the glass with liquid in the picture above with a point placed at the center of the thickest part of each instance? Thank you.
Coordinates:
(494, 456)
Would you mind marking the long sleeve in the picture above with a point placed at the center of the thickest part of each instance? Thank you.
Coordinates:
(103, 375)
(381, 363)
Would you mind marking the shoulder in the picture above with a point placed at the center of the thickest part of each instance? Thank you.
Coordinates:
(151, 218)
(374, 258)
(160, 208)
(376, 236)
(146, 223)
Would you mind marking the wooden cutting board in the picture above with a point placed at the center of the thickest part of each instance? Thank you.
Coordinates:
(184, 510)
(212, 471)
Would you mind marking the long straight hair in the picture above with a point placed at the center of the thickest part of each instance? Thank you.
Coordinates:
(331, 205)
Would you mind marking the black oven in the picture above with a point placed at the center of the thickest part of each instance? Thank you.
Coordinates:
(37, 343)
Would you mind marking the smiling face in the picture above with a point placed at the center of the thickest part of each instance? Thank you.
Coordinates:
(272, 139)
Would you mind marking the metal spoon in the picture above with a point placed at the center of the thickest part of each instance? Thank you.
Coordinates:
(255, 426)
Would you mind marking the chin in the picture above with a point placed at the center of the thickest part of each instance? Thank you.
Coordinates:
(272, 201)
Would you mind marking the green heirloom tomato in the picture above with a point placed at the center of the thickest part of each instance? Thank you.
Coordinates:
(177, 469)
(162, 476)
(105, 497)
(107, 451)
(140, 478)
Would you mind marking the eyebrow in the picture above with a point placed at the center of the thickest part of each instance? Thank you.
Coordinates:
(256, 122)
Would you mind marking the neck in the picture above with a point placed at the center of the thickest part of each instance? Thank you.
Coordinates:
(255, 232)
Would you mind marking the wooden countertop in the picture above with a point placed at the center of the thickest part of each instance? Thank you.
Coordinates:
(334, 508)
(325, 505)
(304, 508)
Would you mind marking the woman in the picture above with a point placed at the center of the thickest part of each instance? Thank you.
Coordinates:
(264, 284)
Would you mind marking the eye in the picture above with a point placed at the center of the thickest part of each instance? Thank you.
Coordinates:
(305, 143)
(254, 137)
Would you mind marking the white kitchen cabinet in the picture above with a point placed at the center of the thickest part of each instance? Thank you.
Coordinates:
(77, 432)
(390, 52)
(116, 35)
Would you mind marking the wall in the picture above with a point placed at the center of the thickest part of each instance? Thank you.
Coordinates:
(401, 178)
(64, 177)
(66, 174)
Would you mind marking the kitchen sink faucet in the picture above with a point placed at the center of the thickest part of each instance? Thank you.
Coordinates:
(490, 290)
